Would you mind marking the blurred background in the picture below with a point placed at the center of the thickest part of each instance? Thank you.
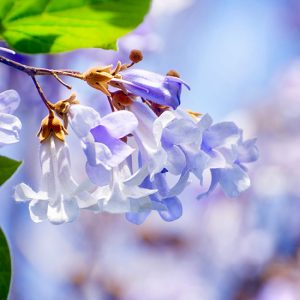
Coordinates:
(242, 61)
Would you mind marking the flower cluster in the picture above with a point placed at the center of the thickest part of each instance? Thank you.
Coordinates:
(139, 157)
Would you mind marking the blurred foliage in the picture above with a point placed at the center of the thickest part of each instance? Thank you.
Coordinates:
(7, 168)
(5, 267)
(51, 26)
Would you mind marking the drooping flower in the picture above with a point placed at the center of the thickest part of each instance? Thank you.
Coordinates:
(60, 197)
(163, 90)
(10, 125)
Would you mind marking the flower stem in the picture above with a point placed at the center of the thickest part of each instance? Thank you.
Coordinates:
(48, 104)
(33, 71)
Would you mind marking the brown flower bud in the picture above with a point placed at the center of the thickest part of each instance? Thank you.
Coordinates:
(120, 99)
(136, 56)
(51, 125)
(173, 73)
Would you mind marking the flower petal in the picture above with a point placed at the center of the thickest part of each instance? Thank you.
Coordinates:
(98, 174)
(23, 192)
(83, 119)
(137, 218)
(164, 90)
(176, 160)
(174, 209)
(247, 151)
(62, 211)
(9, 101)
(234, 181)
(221, 134)
(10, 127)
(38, 210)
(120, 123)
(119, 150)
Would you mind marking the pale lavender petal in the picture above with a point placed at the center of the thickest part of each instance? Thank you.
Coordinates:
(96, 153)
(247, 151)
(10, 127)
(83, 119)
(176, 160)
(234, 181)
(164, 90)
(62, 211)
(119, 150)
(64, 176)
(38, 210)
(99, 175)
(215, 177)
(137, 218)
(181, 132)
(23, 192)
(120, 123)
(180, 185)
(221, 134)
(174, 209)
(9, 101)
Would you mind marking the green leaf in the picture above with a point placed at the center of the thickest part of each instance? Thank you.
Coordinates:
(51, 26)
(5, 267)
(7, 169)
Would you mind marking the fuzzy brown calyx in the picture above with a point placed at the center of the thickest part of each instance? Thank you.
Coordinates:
(99, 77)
(62, 106)
(158, 108)
(51, 126)
(173, 73)
(136, 56)
(120, 100)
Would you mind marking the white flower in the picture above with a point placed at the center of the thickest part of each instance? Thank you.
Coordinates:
(60, 197)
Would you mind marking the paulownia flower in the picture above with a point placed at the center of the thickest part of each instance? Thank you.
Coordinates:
(164, 90)
(59, 198)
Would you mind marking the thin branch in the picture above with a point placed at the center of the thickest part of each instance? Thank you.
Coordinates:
(32, 71)
(61, 81)
(42, 95)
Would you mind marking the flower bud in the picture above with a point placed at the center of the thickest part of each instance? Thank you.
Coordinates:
(121, 100)
(173, 73)
(136, 56)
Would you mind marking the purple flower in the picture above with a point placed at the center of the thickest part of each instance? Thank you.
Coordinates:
(163, 90)
(101, 139)
(223, 142)
(10, 125)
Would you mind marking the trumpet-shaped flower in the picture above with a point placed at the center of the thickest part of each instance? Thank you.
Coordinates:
(60, 197)
(101, 139)
(164, 90)
(10, 125)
